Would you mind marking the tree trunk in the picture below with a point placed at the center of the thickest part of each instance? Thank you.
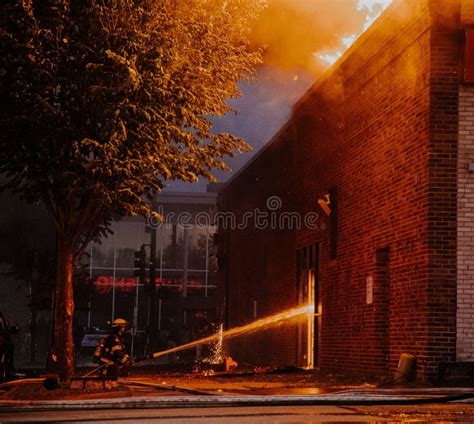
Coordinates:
(63, 346)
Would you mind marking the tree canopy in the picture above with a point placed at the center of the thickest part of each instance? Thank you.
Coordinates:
(103, 101)
(106, 100)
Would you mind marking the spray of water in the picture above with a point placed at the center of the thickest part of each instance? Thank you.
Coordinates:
(216, 348)
(258, 325)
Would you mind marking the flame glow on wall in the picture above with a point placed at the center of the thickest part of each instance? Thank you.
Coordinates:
(373, 8)
(309, 34)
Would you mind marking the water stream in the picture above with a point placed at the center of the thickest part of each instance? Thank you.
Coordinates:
(261, 324)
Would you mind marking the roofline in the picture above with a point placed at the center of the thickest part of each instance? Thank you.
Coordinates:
(259, 152)
(185, 197)
(348, 52)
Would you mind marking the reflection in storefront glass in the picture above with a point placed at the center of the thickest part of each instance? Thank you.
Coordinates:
(197, 247)
(103, 253)
(101, 298)
(173, 246)
(184, 259)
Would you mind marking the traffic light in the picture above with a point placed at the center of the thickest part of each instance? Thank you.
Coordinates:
(140, 265)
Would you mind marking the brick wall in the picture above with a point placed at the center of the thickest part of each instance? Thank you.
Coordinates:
(376, 156)
(465, 290)
(382, 128)
(465, 257)
(442, 195)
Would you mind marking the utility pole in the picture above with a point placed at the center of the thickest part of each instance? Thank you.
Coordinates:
(140, 265)
(152, 287)
(140, 273)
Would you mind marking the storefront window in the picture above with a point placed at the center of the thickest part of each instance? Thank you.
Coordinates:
(109, 288)
(197, 248)
(173, 281)
(103, 252)
(197, 283)
(126, 242)
(101, 298)
(173, 246)
(125, 305)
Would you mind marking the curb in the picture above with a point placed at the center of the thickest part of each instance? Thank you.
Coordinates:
(164, 402)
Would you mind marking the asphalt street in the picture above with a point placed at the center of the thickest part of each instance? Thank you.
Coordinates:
(445, 413)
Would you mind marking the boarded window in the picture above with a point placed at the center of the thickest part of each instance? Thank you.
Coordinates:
(469, 55)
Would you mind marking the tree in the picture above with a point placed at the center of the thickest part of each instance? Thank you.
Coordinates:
(105, 101)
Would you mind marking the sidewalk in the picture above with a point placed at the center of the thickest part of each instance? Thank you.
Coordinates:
(190, 390)
(347, 398)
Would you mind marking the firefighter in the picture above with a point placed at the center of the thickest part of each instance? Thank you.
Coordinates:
(111, 351)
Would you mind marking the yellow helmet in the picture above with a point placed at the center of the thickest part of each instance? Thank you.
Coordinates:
(119, 322)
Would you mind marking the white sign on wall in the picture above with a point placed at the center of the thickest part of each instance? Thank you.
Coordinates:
(370, 290)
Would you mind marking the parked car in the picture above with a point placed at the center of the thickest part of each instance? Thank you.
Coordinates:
(91, 340)
(6, 349)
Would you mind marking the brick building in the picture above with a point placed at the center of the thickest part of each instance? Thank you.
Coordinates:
(388, 134)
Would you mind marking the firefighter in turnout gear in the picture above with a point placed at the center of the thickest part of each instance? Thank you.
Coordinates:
(111, 351)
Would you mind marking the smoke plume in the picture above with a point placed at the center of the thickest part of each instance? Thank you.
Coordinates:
(301, 39)
(296, 33)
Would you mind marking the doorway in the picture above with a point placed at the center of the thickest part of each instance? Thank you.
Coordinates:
(308, 292)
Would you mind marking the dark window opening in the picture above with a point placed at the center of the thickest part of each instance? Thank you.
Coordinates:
(468, 73)
(308, 291)
(333, 223)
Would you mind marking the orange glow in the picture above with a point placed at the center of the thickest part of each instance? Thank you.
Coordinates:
(309, 34)
(325, 204)
(373, 9)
